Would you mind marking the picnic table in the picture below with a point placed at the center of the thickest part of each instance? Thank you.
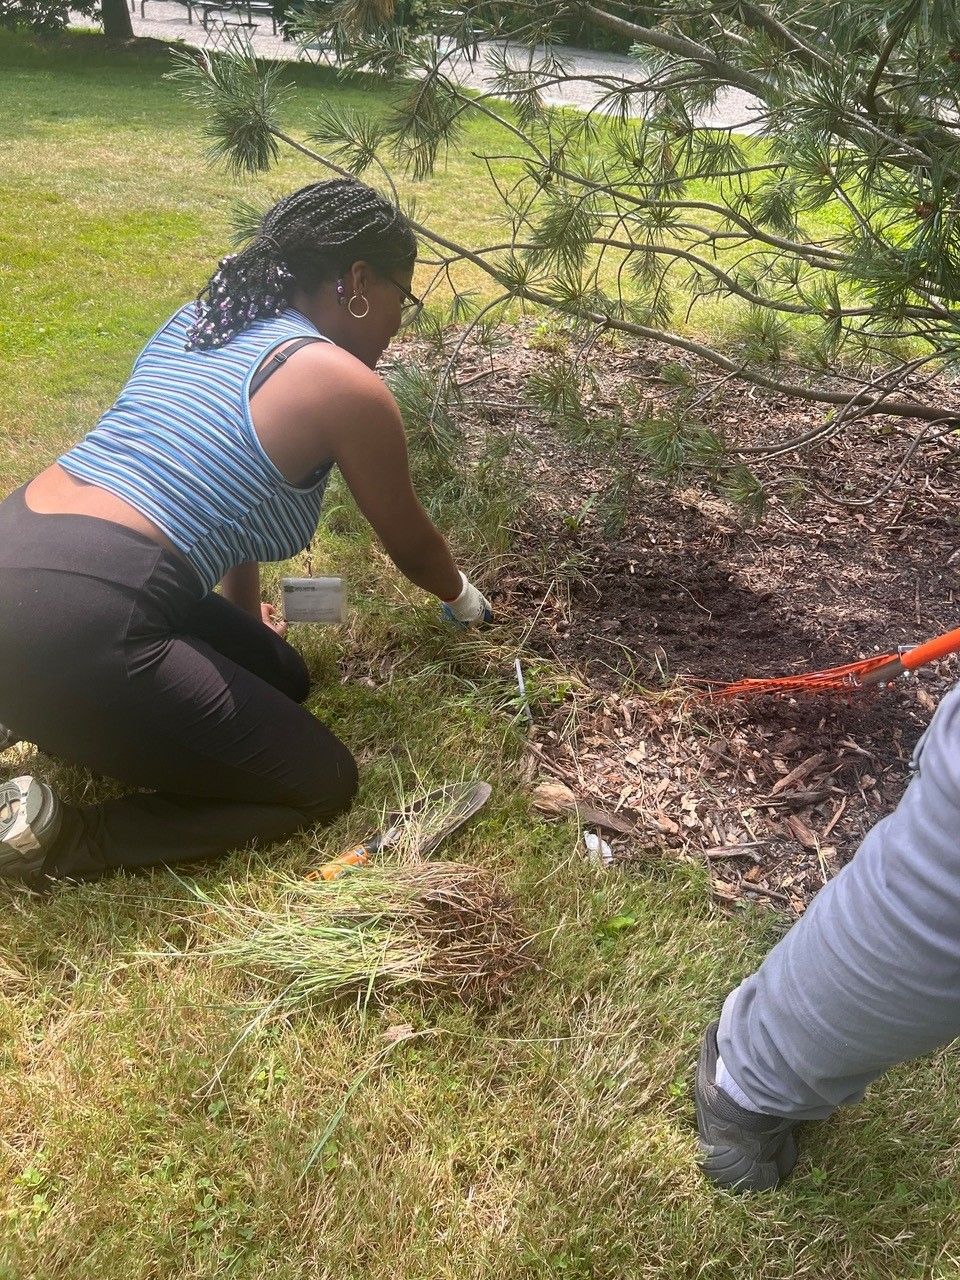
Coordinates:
(244, 9)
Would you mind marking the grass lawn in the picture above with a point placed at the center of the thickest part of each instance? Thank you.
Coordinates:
(550, 1138)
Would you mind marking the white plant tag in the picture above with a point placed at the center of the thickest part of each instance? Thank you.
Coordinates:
(598, 850)
(314, 600)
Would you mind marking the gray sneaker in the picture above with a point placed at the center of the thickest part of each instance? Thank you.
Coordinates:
(7, 737)
(740, 1149)
(30, 818)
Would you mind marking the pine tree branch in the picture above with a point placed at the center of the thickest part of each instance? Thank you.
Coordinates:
(845, 128)
(479, 101)
(733, 286)
(817, 255)
(759, 20)
(895, 408)
(447, 371)
(681, 47)
(775, 166)
(918, 440)
(893, 39)
(858, 405)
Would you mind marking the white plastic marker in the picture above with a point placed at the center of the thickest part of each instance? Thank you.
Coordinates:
(598, 850)
(314, 600)
(522, 686)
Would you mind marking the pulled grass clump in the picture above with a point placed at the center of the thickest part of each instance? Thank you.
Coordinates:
(443, 928)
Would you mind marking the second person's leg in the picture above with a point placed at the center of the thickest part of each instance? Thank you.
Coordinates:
(868, 978)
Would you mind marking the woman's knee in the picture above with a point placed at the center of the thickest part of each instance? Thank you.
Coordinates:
(294, 678)
(342, 789)
(333, 784)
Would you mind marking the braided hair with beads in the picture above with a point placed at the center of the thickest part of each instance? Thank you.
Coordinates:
(311, 236)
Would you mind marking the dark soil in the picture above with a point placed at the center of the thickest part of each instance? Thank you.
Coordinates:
(688, 591)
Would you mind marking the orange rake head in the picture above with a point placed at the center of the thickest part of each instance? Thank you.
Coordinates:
(849, 678)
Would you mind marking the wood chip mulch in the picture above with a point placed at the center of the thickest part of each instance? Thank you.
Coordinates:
(777, 794)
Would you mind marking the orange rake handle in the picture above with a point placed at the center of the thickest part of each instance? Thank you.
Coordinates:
(938, 647)
(929, 651)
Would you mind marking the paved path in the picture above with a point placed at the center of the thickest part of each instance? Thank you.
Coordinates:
(167, 20)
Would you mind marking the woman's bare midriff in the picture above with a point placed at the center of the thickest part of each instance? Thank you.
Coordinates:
(56, 492)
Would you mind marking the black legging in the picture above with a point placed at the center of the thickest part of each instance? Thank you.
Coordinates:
(111, 658)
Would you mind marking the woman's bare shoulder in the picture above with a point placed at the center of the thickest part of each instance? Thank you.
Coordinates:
(323, 369)
(319, 405)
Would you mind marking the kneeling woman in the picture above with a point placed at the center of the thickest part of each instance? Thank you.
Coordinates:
(115, 651)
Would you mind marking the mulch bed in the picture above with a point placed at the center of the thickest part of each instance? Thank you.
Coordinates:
(775, 794)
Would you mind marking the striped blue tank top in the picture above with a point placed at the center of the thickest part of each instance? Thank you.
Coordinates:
(180, 447)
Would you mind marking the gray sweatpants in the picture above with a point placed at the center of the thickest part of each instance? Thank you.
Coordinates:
(870, 975)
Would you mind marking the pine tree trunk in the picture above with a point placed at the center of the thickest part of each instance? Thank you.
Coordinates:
(116, 19)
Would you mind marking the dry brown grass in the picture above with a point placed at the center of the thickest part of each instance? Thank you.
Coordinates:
(438, 927)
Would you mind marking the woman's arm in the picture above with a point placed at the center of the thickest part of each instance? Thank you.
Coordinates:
(373, 460)
(324, 404)
(241, 586)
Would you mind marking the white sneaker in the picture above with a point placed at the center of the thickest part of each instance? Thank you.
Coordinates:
(30, 818)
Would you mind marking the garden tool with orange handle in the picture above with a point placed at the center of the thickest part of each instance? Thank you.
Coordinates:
(850, 678)
(358, 856)
(427, 821)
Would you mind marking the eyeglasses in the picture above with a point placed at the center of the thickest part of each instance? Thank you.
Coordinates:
(411, 306)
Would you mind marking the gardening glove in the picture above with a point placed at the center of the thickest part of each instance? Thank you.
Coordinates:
(469, 609)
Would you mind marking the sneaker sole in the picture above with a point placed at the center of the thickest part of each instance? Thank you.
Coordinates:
(25, 839)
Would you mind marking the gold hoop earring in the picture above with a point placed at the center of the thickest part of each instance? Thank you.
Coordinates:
(359, 315)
